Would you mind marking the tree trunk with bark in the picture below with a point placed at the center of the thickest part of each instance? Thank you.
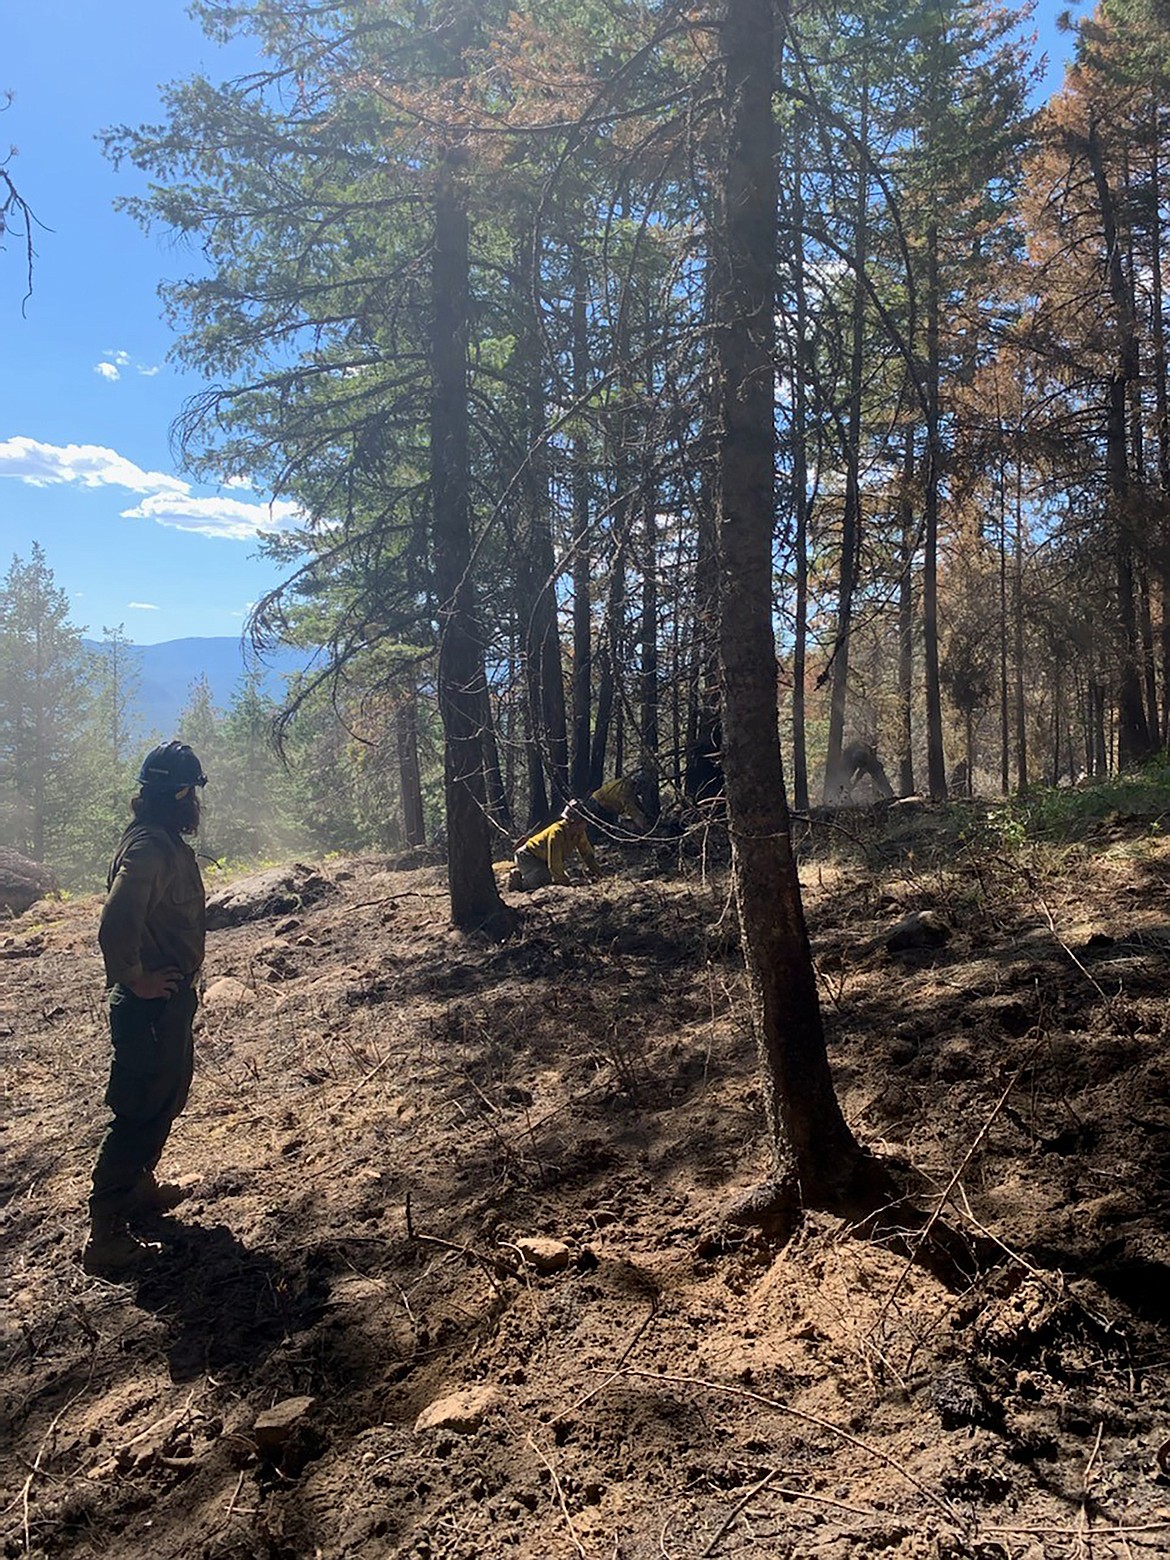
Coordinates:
(906, 620)
(582, 549)
(648, 674)
(475, 898)
(814, 1154)
(935, 758)
(409, 774)
(1133, 735)
(851, 517)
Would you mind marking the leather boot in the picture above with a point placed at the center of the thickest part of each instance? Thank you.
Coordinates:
(112, 1249)
(151, 1196)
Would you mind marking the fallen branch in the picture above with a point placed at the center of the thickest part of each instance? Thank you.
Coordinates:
(36, 1463)
(358, 1087)
(1069, 1531)
(489, 1264)
(1064, 948)
(945, 1195)
(729, 1520)
(615, 1371)
(788, 1493)
(389, 899)
(560, 1494)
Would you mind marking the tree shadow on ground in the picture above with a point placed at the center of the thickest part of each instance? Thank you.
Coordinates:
(225, 1307)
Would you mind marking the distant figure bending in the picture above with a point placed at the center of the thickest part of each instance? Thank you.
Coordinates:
(541, 859)
(152, 937)
(618, 799)
(859, 761)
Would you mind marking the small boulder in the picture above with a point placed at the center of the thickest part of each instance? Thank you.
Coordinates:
(227, 991)
(23, 881)
(546, 1256)
(461, 1412)
(276, 1426)
(919, 929)
(279, 891)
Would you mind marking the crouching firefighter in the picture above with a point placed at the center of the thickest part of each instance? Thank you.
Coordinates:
(152, 935)
(541, 859)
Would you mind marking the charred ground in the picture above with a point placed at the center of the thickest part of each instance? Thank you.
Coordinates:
(460, 1196)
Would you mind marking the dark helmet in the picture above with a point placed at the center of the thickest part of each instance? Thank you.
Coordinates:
(171, 767)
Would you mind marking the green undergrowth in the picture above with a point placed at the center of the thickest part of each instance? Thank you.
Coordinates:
(1132, 806)
(1128, 813)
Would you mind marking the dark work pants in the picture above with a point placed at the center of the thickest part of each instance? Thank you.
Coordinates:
(534, 873)
(150, 1076)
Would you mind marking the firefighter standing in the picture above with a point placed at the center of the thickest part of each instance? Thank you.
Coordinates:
(152, 937)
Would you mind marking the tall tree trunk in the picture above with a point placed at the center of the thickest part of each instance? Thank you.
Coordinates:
(814, 1153)
(906, 621)
(1018, 634)
(475, 899)
(648, 756)
(703, 720)
(536, 576)
(40, 769)
(800, 791)
(851, 517)
(409, 774)
(682, 627)
(1099, 764)
(1149, 655)
(498, 806)
(1005, 783)
(582, 548)
(610, 656)
(1133, 737)
(1160, 373)
(935, 759)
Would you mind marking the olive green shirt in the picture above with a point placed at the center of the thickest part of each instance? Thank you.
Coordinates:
(155, 913)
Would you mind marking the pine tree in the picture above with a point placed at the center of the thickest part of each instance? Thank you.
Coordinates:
(44, 768)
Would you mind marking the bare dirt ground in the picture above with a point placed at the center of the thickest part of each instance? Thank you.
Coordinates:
(454, 1202)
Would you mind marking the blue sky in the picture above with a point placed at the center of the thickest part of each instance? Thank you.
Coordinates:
(87, 396)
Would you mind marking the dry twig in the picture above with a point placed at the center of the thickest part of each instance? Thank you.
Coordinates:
(560, 1494)
(943, 1505)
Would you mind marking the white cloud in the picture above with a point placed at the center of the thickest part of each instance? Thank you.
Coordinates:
(113, 363)
(229, 517)
(88, 465)
(166, 500)
(142, 606)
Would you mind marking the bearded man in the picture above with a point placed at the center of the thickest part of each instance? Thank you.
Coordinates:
(152, 935)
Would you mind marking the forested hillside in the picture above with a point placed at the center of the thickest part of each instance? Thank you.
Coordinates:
(76, 716)
(162, 675)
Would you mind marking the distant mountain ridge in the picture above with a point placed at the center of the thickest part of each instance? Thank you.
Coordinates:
(167, 671)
